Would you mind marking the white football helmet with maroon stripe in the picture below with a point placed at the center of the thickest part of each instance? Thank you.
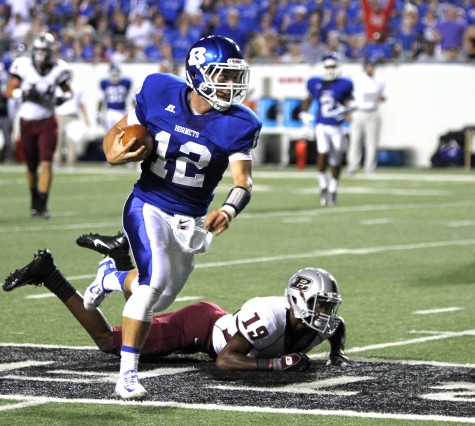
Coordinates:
(314, 298)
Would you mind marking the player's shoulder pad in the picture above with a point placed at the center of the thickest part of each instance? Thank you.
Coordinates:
(346, 82)
(157, 82)
(243, 112)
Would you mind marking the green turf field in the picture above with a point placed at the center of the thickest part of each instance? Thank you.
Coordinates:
(400, 244)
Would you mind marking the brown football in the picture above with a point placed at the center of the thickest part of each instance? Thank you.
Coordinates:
(142, 135)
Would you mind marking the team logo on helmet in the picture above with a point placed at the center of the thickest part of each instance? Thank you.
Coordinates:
(301, 283)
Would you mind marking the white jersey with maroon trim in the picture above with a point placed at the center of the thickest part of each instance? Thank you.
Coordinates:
(45, 85)
(262, 321)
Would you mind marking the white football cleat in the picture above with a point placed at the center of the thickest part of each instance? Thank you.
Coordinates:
(129, 388)
(95, 293)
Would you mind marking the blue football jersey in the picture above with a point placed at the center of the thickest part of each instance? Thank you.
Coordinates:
(116, 94)
(191, 151)
(331, 96)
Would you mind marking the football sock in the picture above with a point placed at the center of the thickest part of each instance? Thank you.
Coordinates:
(34, 198)
(42, 201)
(59, 285)
(129, 358)
(322, 180)
(332, 187)
(122, 258)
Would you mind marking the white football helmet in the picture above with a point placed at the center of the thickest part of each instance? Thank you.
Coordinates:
(314, 298)
(331, 66)
(42, 49)
(115, 72)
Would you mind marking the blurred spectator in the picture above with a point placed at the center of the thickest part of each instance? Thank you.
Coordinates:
(408, 36)
(376, 18)
(293, 55)
(295, 25)
(197, 25)
(24, 8)
(430, 51)
(180, 42)
(88, 47)
(158, 48)
(451, 30)
(356, 46)
(6, 151)
(118, 25)
(381, 49)
(232, 29)
(139, 31)
(312, 48)
(428, 24)
(18, 29)
(170, 10)
(121, 52)
(249, 13)
(469, 43)
(334, 44)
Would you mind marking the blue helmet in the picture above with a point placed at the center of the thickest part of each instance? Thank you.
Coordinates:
(217, 71)
(115, 72)
(331, 66)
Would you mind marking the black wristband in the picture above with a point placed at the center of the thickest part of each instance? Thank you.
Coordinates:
(238, 198)
(264, 364)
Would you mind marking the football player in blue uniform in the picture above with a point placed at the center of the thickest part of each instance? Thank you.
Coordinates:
(333, 94)
(200, 128)
(116, 97)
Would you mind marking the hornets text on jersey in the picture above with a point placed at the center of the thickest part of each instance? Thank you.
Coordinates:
(191, 151)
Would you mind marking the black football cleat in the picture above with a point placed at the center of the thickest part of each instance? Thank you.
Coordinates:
(34, 273)
(103, 244)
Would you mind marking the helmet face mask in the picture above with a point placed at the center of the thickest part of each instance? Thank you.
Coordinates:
(331, 66)
(43, 47)
(314, 298)
(217, 71)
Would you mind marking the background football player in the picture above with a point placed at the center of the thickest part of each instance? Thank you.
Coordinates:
(265, 334)
(116, 97)
(333, 94)
(34, 79)
(200, 128)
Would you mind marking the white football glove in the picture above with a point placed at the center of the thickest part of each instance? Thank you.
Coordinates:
(306, 118)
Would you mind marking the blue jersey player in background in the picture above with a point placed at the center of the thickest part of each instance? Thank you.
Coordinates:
(116, 97)
(200, 128)
(333, 94)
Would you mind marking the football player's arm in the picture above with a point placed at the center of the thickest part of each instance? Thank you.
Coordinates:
(306, 103)
(67, 93)
(304, 116)
(218, 221)
(337, 344)
(233, 357)
(13, 88)
(114, 151)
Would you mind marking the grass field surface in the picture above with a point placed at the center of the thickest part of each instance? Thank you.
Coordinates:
(401, 245)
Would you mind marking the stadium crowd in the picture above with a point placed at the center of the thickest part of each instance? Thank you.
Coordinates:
(269, 31)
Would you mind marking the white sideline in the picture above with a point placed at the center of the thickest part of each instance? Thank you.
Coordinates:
(244, 409)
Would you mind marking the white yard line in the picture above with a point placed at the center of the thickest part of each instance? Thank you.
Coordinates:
(25, 404)
(244, 409)
(319, 253)
(437, 311)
